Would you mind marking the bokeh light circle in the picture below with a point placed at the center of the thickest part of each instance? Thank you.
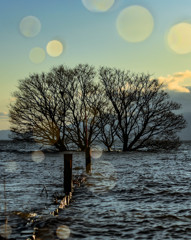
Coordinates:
(98, 5)
(63, 232)
(103, 177)
(96, 152)
(37, 55)
(135, 23)
(54, 48)
(5, 231)
(30, 26)
(11, 166)
(38, 156)
(179, 38)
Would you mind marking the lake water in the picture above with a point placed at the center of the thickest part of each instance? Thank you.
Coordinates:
(136, 195)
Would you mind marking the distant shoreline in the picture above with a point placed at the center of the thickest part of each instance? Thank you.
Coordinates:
(27, 147)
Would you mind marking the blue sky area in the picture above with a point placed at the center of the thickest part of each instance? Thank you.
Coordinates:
(138, 35)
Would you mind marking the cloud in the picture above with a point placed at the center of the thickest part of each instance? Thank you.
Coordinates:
(175, 82)
(186, 74)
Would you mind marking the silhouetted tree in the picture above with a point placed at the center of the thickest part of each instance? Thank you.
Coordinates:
(67, 105)
(108, 125)
(41, 107)
(143, 110)
(86, 100)
(58, 108)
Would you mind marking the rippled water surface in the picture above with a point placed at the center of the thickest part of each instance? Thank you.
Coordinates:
(135, 195)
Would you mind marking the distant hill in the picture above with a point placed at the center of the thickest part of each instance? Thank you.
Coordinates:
(185, 134)
(4, 134)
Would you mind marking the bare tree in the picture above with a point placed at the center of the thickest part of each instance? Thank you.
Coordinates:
(41, 107)
(58, 108)
(86, 100)
(67, 105)
(107, 125)
(144, 111)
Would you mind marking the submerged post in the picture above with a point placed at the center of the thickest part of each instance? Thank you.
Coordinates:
(87, 148)
(88, 160)
(67, 174)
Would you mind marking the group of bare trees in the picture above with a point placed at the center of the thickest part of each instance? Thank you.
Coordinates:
(81, 105)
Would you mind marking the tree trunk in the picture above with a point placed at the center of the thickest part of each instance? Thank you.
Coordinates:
(125, 143)
(109, 149)
(82, 148)
(60, 146)
(125, 148)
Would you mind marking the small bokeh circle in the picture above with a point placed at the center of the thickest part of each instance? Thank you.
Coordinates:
(96, 152)
(30, 26)
(37, 55)
(54, 48)
(135, 23)
(11, 166)
(5, 231)
(63, 232)
(103, 177)
(98, 5)
(38, 156)
(179, 38)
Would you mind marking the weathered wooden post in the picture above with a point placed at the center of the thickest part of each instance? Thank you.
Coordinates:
(67, 176)
(88, 160)
(87, 148)
(5, 205)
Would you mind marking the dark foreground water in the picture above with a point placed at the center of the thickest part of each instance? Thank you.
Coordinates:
(126, 196)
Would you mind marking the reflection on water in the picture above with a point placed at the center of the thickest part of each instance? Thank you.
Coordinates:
(126, 196)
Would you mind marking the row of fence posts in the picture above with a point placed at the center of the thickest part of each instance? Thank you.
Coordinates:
(68, 183)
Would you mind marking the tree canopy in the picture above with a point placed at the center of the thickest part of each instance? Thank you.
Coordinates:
(81, 105)
(143, 109)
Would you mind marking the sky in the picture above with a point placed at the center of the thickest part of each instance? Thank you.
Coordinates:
(143, 36)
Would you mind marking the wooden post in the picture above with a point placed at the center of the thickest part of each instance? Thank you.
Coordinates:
(87, 148)
(88, 160)
(5, 205)
(67, 174)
